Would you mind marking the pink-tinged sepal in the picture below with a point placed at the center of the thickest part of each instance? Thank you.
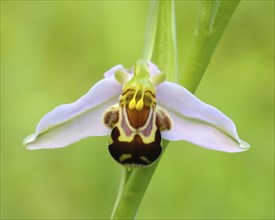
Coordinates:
(69, 123)
(196, 121)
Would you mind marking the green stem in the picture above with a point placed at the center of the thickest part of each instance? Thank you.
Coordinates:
(134, 190)
(213, 19)
(124, 178)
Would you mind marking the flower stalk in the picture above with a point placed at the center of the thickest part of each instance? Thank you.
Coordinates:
(130, 196)
(212, 21)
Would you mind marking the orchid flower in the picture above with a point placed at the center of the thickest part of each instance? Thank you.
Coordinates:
(138, 108)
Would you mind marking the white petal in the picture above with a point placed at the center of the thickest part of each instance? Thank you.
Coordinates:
(111, 73)
(196, 121)
(153, 68)
(69, 123)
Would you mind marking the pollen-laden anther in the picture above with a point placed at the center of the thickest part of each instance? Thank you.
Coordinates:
(136, 123)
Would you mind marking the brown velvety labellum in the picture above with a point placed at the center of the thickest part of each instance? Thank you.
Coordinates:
(135, 153)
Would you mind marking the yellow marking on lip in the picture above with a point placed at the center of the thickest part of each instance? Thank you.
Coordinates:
(124, 157)
(145, 159)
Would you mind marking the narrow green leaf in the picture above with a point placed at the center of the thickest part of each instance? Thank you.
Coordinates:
(151, 29)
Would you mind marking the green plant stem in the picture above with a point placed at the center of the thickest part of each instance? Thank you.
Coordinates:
(124, 177)
(213, 19)
(134, 189)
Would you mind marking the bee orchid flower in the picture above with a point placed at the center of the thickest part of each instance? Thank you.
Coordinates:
(138, 108)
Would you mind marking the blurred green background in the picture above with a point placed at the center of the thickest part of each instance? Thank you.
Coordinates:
(52, 52)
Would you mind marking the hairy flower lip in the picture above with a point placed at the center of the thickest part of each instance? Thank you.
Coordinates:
(193, 120)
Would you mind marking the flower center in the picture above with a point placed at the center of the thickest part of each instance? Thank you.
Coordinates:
(137, 121)
(138, 105)
(139, 90)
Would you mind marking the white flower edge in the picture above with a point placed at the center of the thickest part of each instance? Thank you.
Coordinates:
(69, 123)
(197, 122)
